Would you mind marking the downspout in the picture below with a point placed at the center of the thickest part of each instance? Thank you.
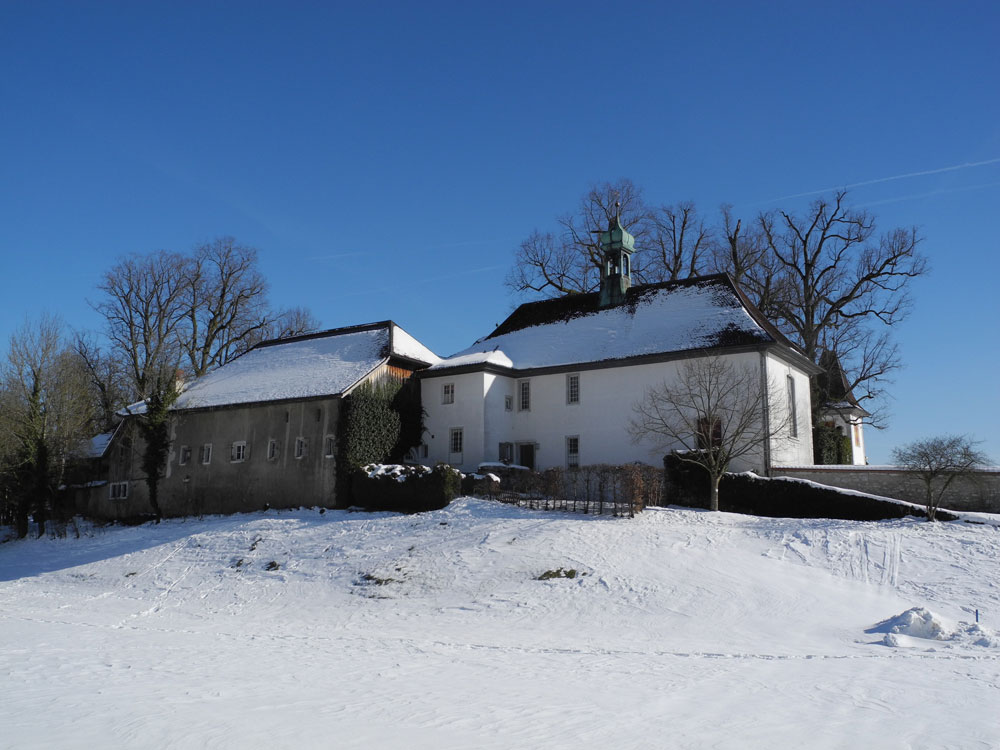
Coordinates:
(766, 412)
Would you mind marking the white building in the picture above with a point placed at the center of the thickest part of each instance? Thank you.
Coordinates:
(554, 384)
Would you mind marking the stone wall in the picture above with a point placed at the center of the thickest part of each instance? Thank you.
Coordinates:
(978, 492)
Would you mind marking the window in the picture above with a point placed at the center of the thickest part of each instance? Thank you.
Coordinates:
(573, 451)
(857, 434)
(185, 455)
(448, 393)
(205, 453)
(709, 436)
(573, 388)
(272, 449)
(506, 453)
(508, 403)
(238, 451)
(524, 395)
(301, 447)
(329, 446)
(455, 443)
(793, 416)
(118, 490)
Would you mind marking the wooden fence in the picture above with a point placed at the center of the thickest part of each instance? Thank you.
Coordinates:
(601, 489)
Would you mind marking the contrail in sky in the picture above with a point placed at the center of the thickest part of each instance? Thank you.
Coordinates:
(954, 168)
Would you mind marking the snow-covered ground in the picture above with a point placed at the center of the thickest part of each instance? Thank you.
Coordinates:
(680, 629)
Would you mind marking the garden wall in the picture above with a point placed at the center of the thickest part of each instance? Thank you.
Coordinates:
(979, 492)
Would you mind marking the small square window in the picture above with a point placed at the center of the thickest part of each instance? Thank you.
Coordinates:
(448, 393)
(185, 455)
(524, 395)
(301, 447)
(205, 453)
(455, 443)
(330, 447)
(573, 389)
(238, 451)
(508, 403)
(118, 490)
(572, 451)
(272, 450)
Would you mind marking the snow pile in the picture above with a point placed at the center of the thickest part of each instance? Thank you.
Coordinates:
(920, 623)
(915, 623)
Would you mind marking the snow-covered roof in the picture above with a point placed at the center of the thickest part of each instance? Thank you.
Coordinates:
(96, 446)
(702, 313)
(318, 364)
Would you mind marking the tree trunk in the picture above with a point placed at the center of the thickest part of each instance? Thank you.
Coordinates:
(931, 506)
(713, 498)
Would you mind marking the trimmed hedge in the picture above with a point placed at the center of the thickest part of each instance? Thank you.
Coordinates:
(405, 489)
(780, 497)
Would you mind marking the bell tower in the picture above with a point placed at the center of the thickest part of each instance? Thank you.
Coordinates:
(617, 246)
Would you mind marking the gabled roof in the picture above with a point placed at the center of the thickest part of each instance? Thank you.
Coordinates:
(835, 389)
(708, 312)
(96, 446)
(327, 363)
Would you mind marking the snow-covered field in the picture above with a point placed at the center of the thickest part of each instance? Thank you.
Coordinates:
(680, 629)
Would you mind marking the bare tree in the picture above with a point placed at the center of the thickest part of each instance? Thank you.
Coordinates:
(832, 285)
(938, 461)
(226, 305)
(45, 413)
(713, 413)
(679, 244)
(144, 305)
(570, 262)
(291, 322)
(108, 381)
(166, 309)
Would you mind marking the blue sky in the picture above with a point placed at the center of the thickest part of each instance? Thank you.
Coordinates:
(387, 158)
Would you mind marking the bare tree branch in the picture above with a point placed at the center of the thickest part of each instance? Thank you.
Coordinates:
(712, 414)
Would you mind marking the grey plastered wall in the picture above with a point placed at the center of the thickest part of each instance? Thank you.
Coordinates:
(977, 492)
(227, 486)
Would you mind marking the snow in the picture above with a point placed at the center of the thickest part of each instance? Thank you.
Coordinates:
(300, 368)
(316, 365)
(404, 345)
(682, 628)
(95, 447)
(664, 320)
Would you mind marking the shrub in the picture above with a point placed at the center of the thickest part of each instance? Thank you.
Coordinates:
(831, 446)
(779, 497)
(405, 489)
(378, 422)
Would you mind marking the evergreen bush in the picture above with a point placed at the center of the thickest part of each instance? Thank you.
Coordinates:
(404, 489)
(378, 422)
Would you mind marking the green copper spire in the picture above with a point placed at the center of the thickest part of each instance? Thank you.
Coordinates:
(617, 246)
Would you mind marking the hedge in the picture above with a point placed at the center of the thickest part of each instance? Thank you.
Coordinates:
(404, 489)
(780, 497)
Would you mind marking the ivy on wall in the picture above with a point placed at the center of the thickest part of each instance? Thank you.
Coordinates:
(379, 423)
(831, 446)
